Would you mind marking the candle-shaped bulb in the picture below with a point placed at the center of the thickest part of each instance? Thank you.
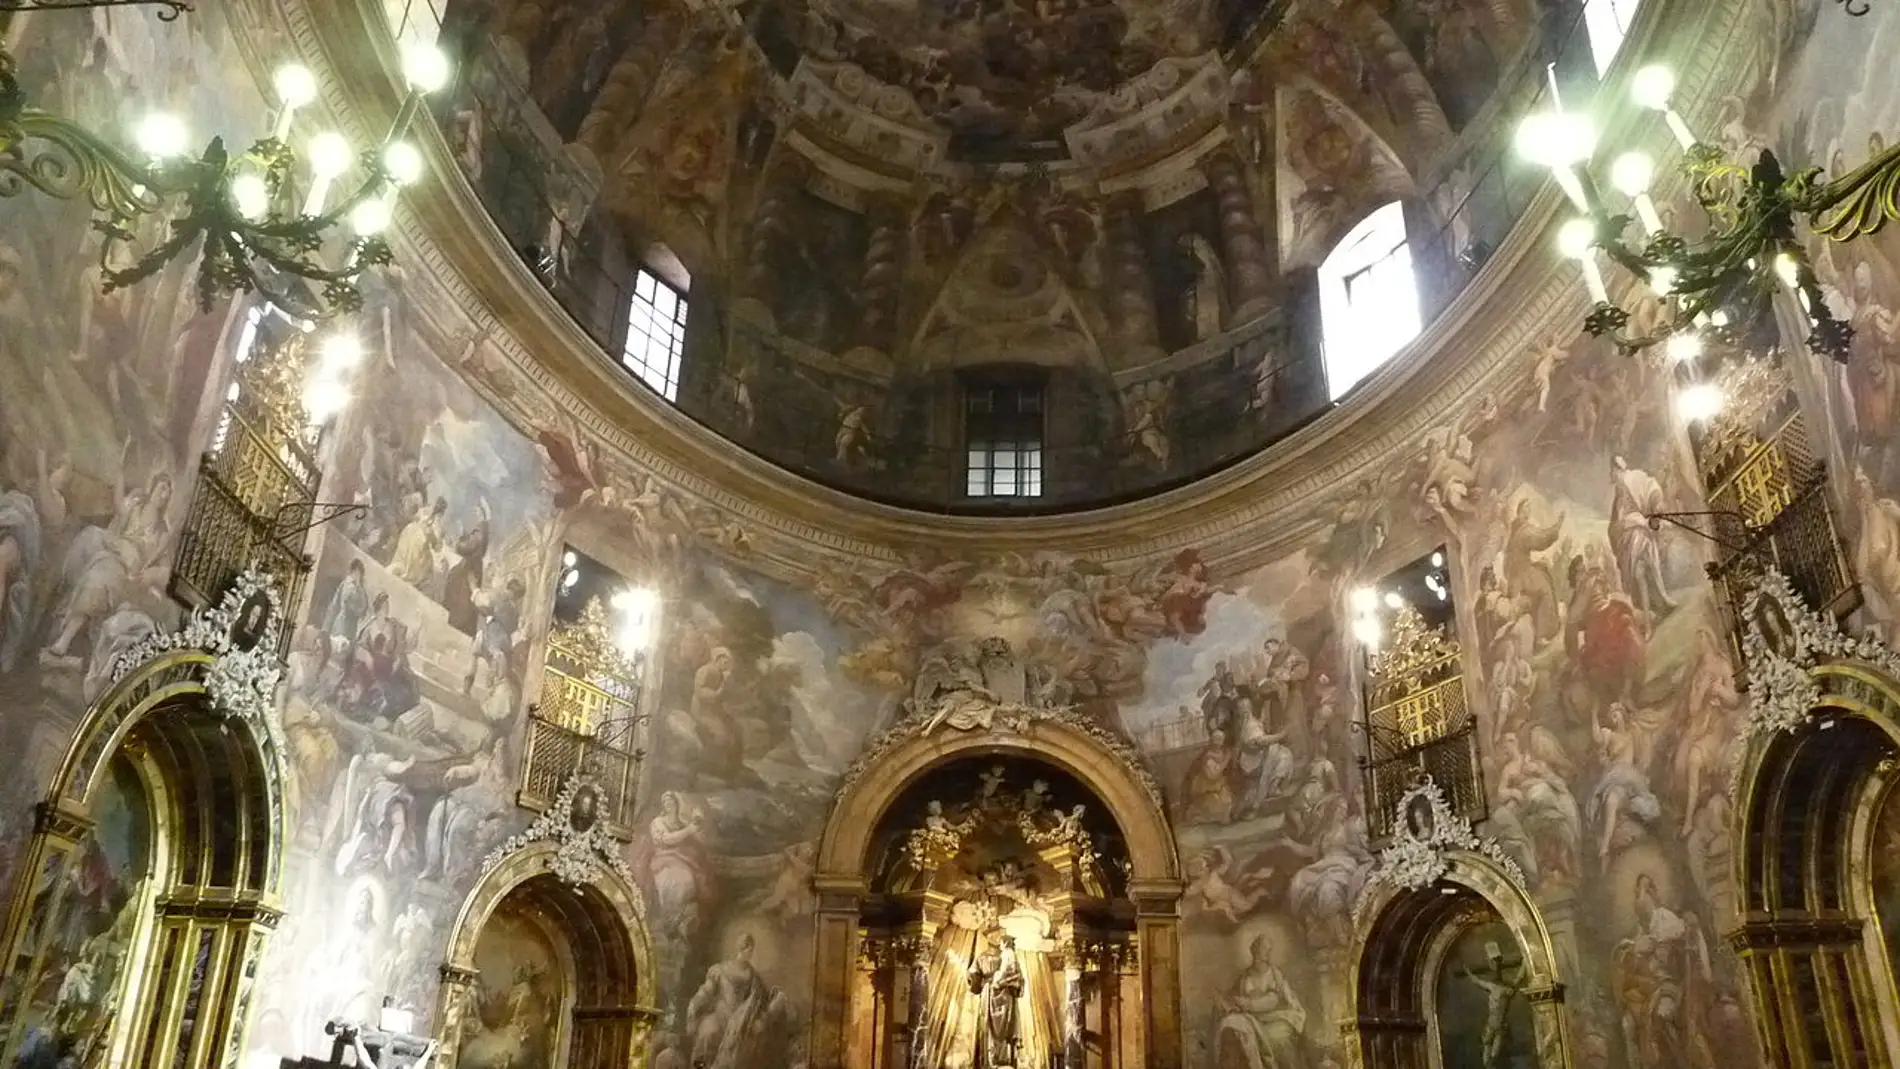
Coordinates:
(1652, 86)
(402, 162)
(162, 136)
(425, 67)
(250, 195)
(296, 86)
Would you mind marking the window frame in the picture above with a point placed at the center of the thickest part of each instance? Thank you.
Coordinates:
(654, 341)
(1004, 452)
(1607, 25)
(1353, 343)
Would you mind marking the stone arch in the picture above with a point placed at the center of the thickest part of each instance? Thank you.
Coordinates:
(1100, 762)
(1803, 828)
(211, 784)
(1402, 935)
(604, 923)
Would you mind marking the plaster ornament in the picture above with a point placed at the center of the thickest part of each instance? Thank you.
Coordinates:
(987, 690)
(1782, 641)
(577, 826)
(1426, 831)
(241, 633)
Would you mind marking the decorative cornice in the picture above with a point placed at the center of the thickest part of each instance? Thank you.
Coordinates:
(548, 369)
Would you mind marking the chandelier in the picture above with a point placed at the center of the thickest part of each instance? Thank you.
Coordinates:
(1724, 283)
(237, 211)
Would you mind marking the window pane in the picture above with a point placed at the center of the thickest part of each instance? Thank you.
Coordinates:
(643, 284)
(976, 487)
(1005, 481)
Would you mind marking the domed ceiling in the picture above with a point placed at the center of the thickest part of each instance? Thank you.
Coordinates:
(870, 195)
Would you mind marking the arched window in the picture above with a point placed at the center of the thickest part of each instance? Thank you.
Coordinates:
(1368, 298)
(1607, 22)
(656, 323)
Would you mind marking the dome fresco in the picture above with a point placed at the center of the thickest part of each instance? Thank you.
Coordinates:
(874, 202)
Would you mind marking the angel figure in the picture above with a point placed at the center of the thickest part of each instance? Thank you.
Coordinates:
(952, 689)
(992, 782)
(1146, 403)
(1217, 885)
(1069, 825)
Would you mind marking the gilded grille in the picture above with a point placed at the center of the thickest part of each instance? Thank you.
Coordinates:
(1418, 722)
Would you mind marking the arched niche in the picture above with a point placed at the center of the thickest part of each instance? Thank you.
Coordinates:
(595, 1004)
(846, 1031)
(150, 881)
(1808, 935)
(1408, 941)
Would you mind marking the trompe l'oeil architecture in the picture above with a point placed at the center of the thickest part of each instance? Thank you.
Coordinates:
(949, 534)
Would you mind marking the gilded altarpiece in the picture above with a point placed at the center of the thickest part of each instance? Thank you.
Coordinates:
(1000, 931)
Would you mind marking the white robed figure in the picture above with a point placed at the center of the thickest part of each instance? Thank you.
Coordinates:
(1263, 1022)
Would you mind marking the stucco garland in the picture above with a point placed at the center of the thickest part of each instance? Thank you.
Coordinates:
(241, 682)
(1782, 689)
(579, 853)
(1414, 861)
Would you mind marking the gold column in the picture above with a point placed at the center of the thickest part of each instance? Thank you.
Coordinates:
(457, 985)
(1158, 931)
(834, 965)
(1547, 1025)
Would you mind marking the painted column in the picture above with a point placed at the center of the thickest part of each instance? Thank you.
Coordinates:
(1131, 293)
(1547, 1024)
(1243, 247)
(834, 966)
(457, 984)
(770, 227)
(878, 287)
(1158, 929)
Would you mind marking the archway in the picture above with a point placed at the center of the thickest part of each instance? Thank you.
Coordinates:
(865, 926)
(1809, 935)
(154, 874)
(542, 972)
(1459, 972)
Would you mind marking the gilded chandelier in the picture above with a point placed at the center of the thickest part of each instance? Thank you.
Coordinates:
(233, 209)
(1725, 283)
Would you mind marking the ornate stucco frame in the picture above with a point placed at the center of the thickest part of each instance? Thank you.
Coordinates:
(182, 685)
(1776, 939)
(1412, 926)
(608, 897)
(844, 856)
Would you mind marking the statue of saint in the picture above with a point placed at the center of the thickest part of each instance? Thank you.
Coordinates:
(996, 976)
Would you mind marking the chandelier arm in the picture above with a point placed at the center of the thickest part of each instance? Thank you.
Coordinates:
(169, 9)
(1857, 204)
(72, 163)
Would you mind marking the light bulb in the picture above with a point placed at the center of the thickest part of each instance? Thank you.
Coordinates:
(1632, 172)
(330, 154)
(162, 136)
(569, 560)
(324, 398)
(1719, 317)
(403, 162)
(371, 217)
(1686, 345)
(1556, 138)
(1367, 630)
(425, 67)
(1364, 600)
(296, 86)
(1662, 280)
(1576, 237)
(1652, 86)
(1393, 601)
(250, 195)
(341, 351)
(1438, 559)
(1789, 269)
(1699, 403)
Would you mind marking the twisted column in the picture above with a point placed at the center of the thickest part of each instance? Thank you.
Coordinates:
(1243, 246)
(883, 275)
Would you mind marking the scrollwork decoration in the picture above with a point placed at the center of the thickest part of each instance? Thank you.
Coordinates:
(1782, 640)
(579, 831)
(241, 632)
(1427, 831)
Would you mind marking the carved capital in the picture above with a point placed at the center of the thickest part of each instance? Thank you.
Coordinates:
(456, 976)
(1550, 994)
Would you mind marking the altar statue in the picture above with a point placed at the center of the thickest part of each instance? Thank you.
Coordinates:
(996, 976)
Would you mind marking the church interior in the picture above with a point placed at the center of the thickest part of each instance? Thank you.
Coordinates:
(949, 534)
